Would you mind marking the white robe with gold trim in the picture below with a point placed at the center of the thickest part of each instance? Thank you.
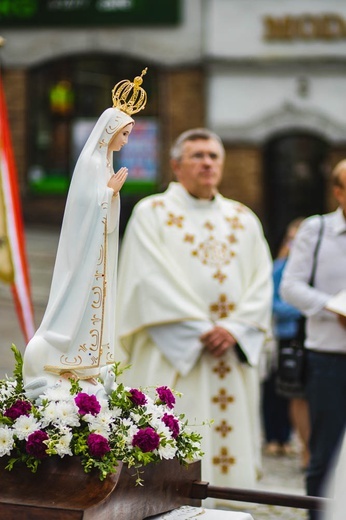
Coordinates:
(186, 265)
(76, 333)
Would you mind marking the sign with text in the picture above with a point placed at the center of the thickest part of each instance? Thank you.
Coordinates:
(272, 29)
(305, 27)
(44, 13)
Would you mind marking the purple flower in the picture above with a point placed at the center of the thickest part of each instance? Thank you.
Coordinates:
(17, 409)
(172, 423)
(137, 397)
(146, 439)
(98, 445)
(87, 404)
(35, 444)
(166, 396)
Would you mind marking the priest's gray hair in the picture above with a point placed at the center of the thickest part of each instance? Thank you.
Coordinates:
(193, 135)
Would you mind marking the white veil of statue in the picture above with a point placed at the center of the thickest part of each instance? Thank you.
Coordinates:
(77, 332)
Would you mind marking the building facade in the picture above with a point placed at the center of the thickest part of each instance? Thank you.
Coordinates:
(267, 76)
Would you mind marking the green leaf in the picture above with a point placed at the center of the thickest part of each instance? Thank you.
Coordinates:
(18, 368)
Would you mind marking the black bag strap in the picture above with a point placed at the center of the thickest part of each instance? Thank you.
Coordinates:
(302, 320)
(317, 247)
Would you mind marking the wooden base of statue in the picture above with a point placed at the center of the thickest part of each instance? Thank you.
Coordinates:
(61, 490)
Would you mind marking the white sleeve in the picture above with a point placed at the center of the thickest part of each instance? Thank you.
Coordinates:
(294, 287)
(179, 342)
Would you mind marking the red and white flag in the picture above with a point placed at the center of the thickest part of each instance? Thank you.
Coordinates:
(13, 260)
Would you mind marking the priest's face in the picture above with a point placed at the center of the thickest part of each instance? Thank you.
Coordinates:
(199, 169)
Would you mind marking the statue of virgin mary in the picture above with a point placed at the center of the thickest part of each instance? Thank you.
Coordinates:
(77, 333)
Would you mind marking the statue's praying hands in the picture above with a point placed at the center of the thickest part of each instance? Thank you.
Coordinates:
(117, 180)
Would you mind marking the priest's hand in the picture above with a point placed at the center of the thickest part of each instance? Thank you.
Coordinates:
(217, 341)
(117, 180)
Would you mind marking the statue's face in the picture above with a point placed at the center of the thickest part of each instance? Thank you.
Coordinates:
(120, 139)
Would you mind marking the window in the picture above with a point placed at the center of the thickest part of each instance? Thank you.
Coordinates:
(66, 98)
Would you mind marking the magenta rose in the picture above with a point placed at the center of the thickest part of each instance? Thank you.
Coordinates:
(17, 409)
(137, 397)
(166, 396)
(146, 439)
(87, 404)
(172, 423)
(98, 445)
(35, 444)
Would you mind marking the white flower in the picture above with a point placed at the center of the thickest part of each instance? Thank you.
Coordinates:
(58, 393)
(168, 451)
(153, 408)
(6, 441)
(67, 413)
(25, 425)
(150, 401)
(101, 423)
(100, 430)
(63, 445)
(49, 414)
(156, 411)
(160, 427)
(135, 417)
(7, 390)
(127, 423)
(116, 412)
(130, 430)
(103, 403)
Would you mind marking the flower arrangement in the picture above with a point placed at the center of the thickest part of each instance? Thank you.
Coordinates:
(129, 426)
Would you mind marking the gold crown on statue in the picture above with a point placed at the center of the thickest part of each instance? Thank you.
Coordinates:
(130, 97)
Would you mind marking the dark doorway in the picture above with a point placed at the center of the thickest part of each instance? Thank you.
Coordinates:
(295, 166)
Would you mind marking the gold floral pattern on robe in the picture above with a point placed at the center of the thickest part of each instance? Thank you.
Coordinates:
(211, 252)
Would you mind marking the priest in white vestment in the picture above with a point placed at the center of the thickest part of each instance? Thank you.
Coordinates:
(194, 306)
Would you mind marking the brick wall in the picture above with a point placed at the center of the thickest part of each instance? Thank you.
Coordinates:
(15, 92)
(182, 106)
(242, 179)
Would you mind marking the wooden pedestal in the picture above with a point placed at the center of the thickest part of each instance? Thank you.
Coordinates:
(60, 490)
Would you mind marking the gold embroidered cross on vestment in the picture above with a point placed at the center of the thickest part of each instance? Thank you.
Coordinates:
(222, 308)
(224, 428)
(222, 369)
(223, 400)
(158, 203)
(235, 222)
(224, 460)
(175, 220)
